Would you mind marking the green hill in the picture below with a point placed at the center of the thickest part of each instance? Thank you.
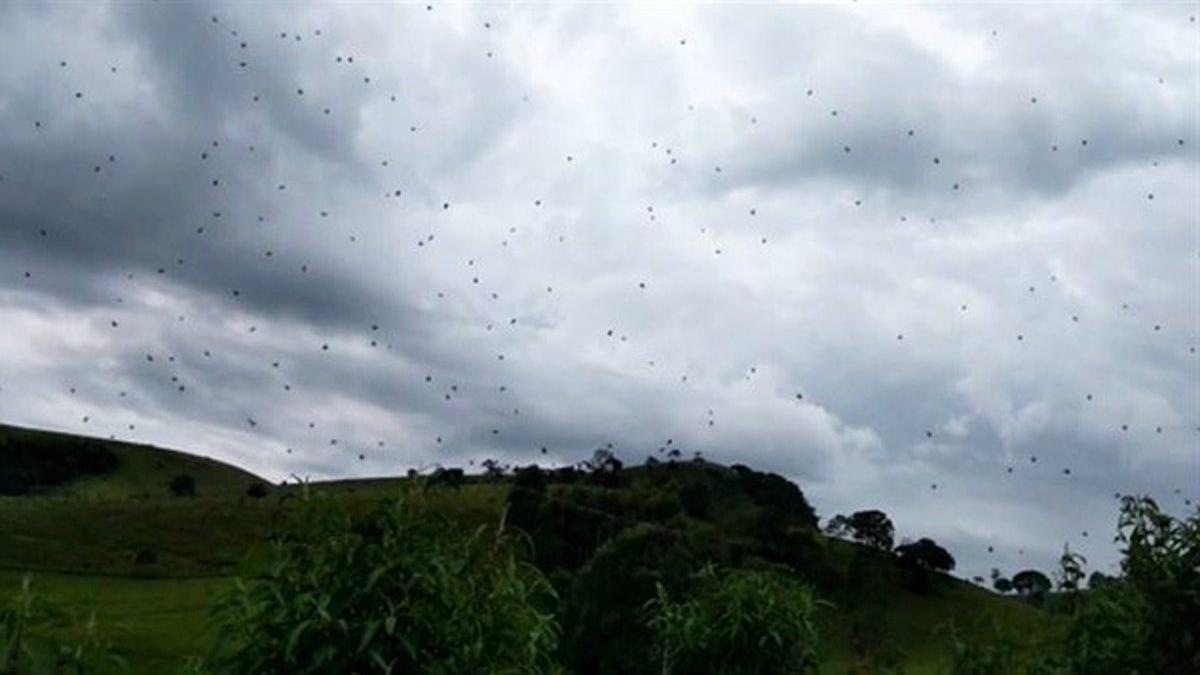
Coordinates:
(148, 563)
(55, 464)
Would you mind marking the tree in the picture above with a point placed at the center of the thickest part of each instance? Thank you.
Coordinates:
(183, 485)
(1002, 585)
(925, 554)
(775, 491)
(398, 590)
(1031, 584)
(872, 528)
(256, 490)
(736, 622)
(493, 468)
(921, 558)
(451, 478)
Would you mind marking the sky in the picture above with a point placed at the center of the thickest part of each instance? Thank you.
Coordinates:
(938, 259)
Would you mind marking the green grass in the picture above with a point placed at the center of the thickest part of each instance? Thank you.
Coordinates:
(152, 623)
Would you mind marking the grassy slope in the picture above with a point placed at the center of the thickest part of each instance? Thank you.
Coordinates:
(80, 540)
(142, 470)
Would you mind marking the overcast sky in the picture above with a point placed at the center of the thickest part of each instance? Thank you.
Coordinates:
(888, 252)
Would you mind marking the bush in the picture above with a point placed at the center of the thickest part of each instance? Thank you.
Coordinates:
(696, 498)
(256, 490)
(604, 609)
(398, 590)
(183, 485)
(737, 622)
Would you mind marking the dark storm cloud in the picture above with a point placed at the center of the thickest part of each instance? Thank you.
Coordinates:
(826, 304)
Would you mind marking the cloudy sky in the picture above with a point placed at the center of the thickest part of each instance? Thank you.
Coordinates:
(891, 252)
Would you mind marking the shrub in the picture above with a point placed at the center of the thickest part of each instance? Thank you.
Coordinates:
(256, 490)
(398, 590)
(183, 485)
(737, 622)
(696, 498)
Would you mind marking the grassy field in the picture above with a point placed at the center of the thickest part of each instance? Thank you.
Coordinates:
(81, 541)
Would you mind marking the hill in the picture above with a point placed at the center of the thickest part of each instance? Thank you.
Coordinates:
(149, 564)
(46, 463)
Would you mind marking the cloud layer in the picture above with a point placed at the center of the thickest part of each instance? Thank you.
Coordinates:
(892, 253)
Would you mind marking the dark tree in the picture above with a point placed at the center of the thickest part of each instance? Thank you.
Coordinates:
(492, 468)
(925, 554)
(1002, 585)
(451, 478)
(1099, 579)
(183, 485)
(872, 528)
(605, 468)
(775, 491)
(1031, 584)
(256, 490)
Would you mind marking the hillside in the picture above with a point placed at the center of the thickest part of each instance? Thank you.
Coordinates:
(57, 464)
(149, 563)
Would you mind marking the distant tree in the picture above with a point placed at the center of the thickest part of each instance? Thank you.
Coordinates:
(605, 468)
(925, 554)
(183, 485)
(1098, 579)
(256, 490)
(1002, 585)
(492, 468)
(451, 478)
(872, 528)
(1031, 584)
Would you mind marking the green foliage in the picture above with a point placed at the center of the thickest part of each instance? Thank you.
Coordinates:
(1031, 584)
(603, 610)
(28, 644)
(1150, 616)
(1003, 653)
(774, 491)
(872, 528)
(921, 558)
(398, 590)
(696, 498)
(736, 622)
